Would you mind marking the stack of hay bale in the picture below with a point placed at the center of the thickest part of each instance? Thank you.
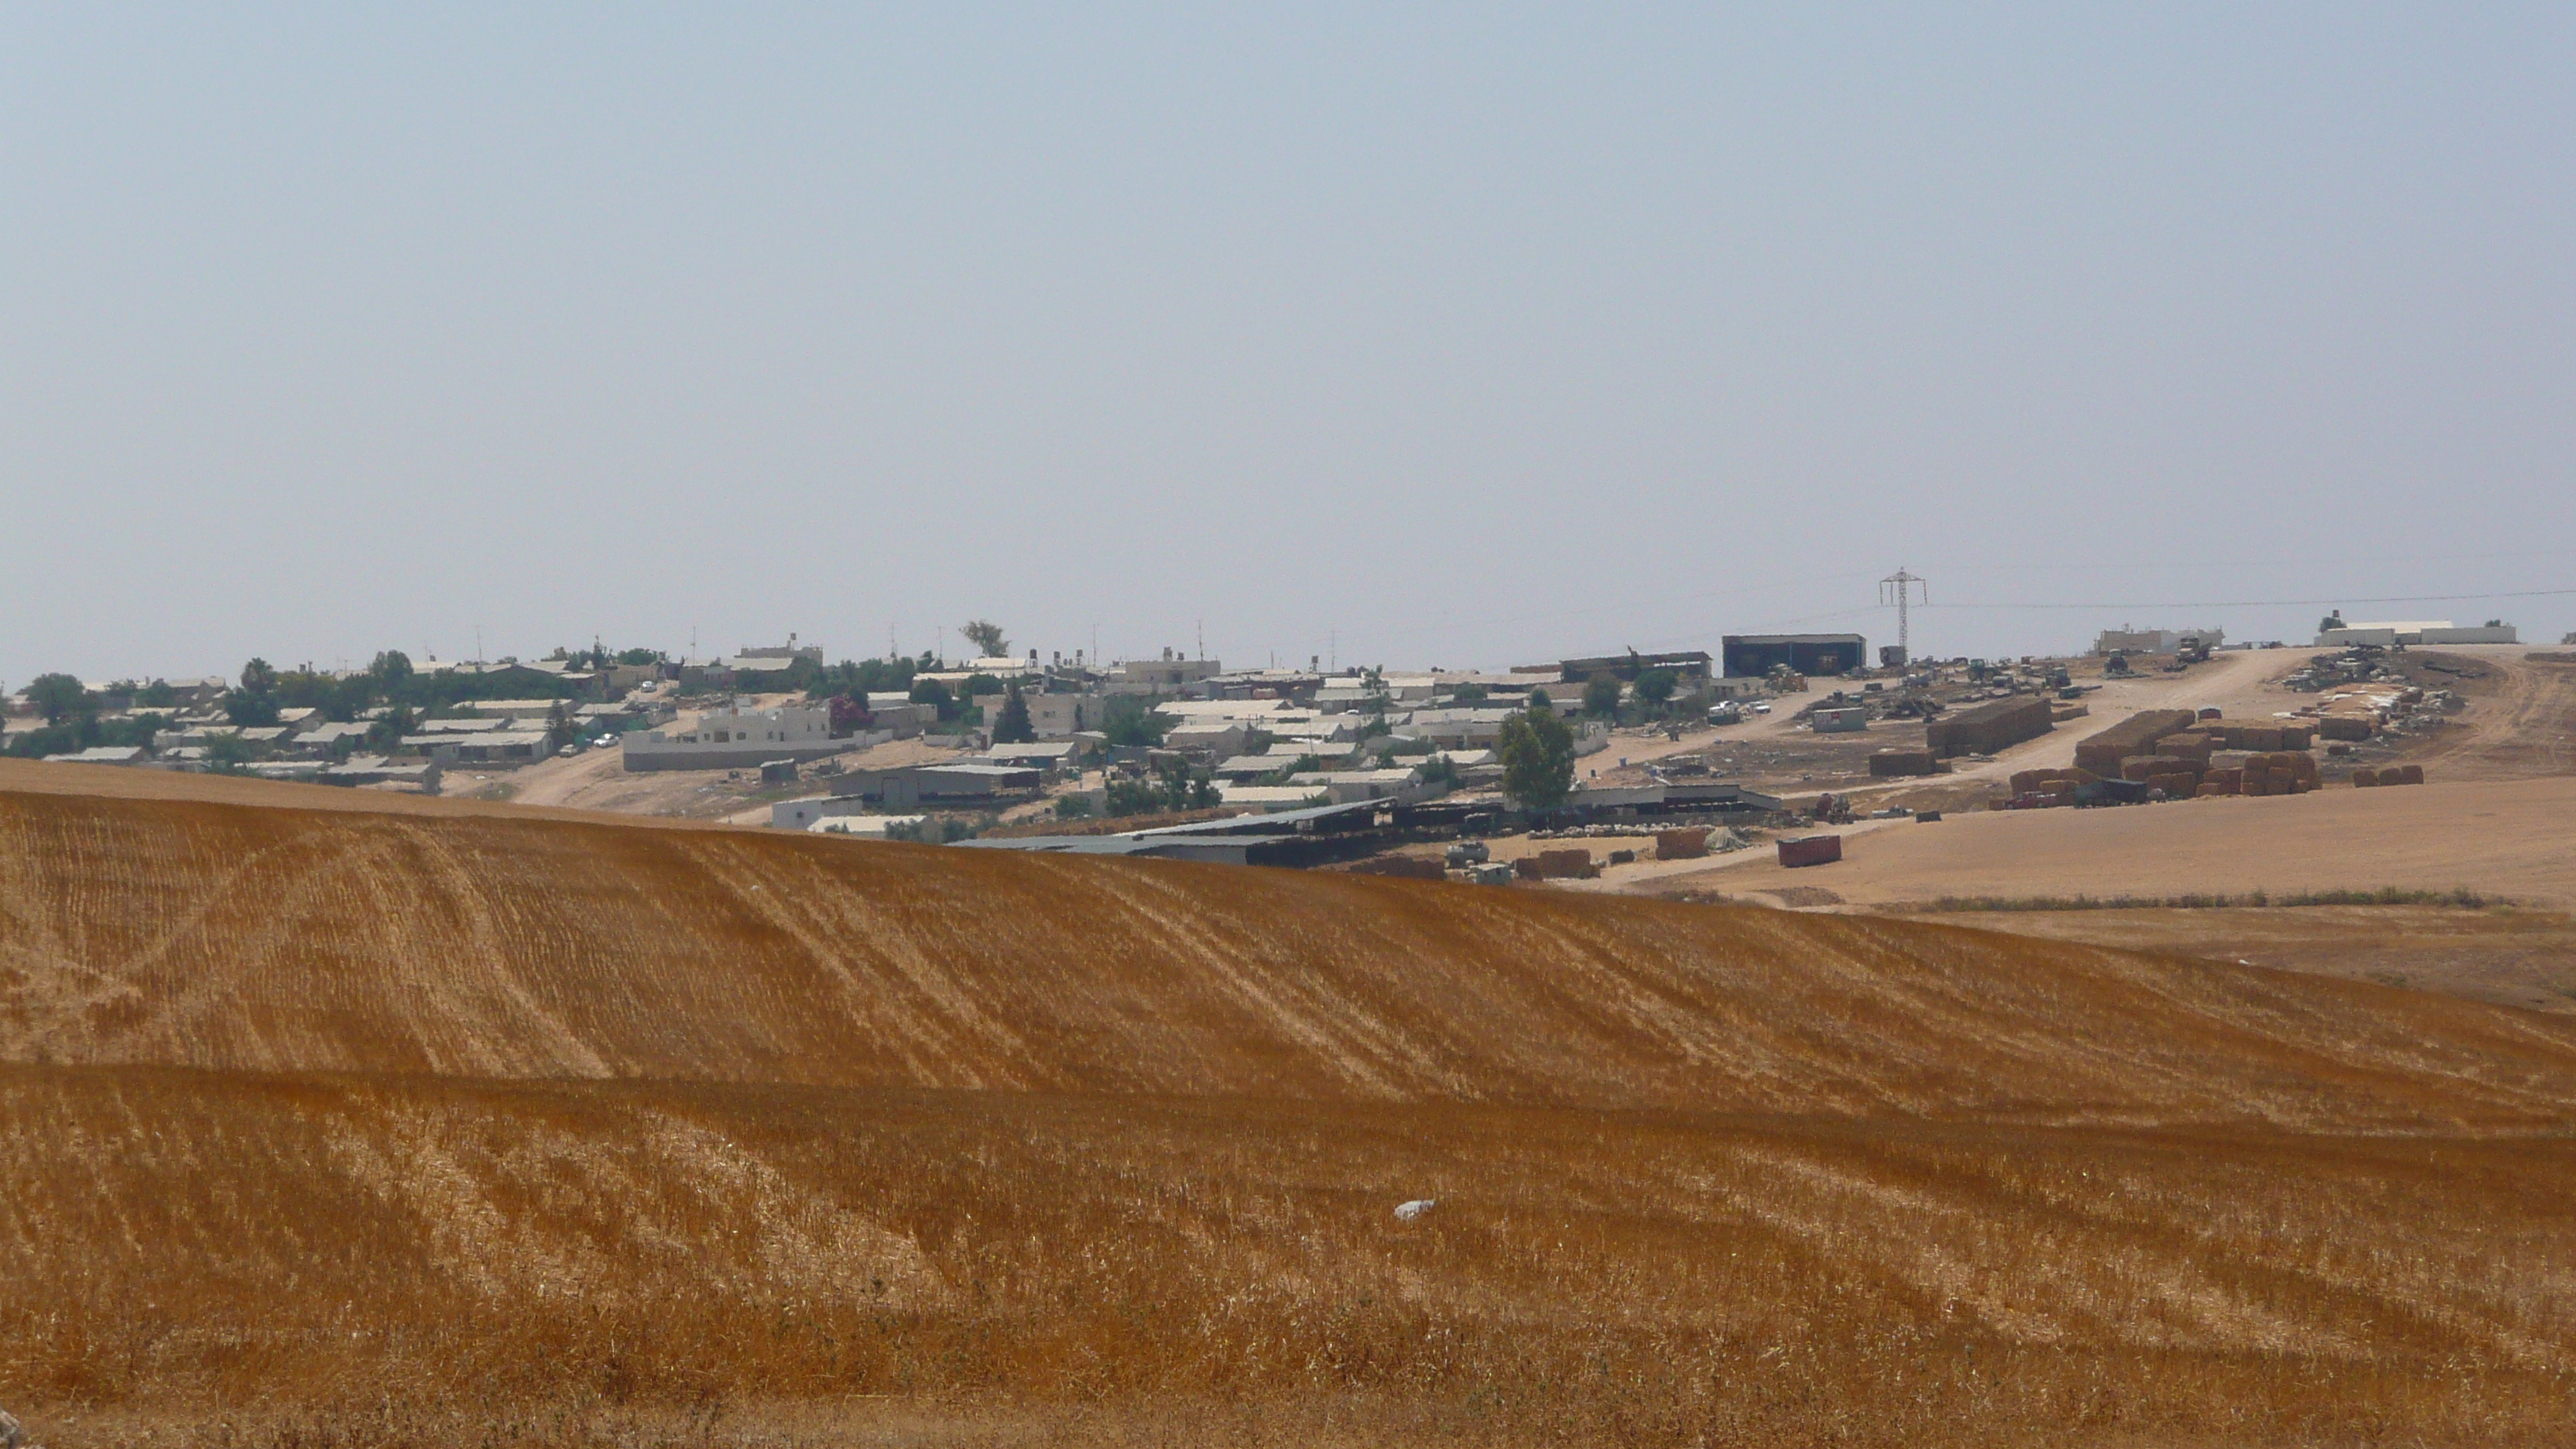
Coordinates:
(2137, 735)
(2043, 788)
(1886, 763)
(2393, 775)
(1989, 728)
(2277, 772)
(1688, 843)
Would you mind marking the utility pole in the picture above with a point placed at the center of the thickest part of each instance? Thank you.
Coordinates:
(1899, 588)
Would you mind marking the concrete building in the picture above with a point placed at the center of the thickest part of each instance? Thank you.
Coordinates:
(1055, 716)
(1342, 787)
(1457, 729)
(2390, 632)
(734, 739)
(380, 771)
(1167, 675)
(2125, 640)
(484, 747)
(964, 785)
(1691, 664)
(1751, 656)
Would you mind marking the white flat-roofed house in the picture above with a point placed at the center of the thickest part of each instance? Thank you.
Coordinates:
(736, 738)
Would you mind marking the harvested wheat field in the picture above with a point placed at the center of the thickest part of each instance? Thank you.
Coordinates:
(356, 1127)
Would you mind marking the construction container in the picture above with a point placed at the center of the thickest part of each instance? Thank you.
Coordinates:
(1926, 817)
(1686, 844)
(1811, 850)
(1493, 872)
(1851, 720)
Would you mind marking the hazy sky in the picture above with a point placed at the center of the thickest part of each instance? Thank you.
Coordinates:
(1464, 336)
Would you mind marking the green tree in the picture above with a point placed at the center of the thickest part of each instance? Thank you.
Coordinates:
(986, 635)
(226, 754)
(156, 695)
(1128, 720)
(639, 657)
(1601, 694)
(561, 729)
(255, 702)
(934, 693)
(1656, 686)
(59, 697)
(1538, 759)
(391, 668)
(385, 735)
(1013, 728)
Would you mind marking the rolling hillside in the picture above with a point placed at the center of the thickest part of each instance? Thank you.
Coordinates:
(286, 940)
(352, 1126)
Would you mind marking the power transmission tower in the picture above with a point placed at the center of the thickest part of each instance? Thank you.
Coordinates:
(1899, 588)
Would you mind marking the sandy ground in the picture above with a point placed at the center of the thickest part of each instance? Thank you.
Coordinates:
(2510, 956)
(598, 780)
(2504, 838)
(2520, 724)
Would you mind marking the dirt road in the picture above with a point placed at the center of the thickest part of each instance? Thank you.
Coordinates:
(2520, 724)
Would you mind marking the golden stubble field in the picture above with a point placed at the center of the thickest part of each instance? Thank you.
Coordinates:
(349, 1128)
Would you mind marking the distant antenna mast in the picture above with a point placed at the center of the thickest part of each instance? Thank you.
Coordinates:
(1899, 588)
(1203, 638)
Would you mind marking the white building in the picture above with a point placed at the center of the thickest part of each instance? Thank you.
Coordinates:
(1167, 675)
(2387, 632)
(735, 739)
(2125, 640)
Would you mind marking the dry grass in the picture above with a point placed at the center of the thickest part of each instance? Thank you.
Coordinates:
(283, 940)
(390, 1129)
(294, 1246)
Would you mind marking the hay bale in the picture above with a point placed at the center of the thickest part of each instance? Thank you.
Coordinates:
(1564, 864)
(2192, 745)
(2364, 778)
(1689, 843)
(2346, 727)
(1899, 763)
(2409, 775)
